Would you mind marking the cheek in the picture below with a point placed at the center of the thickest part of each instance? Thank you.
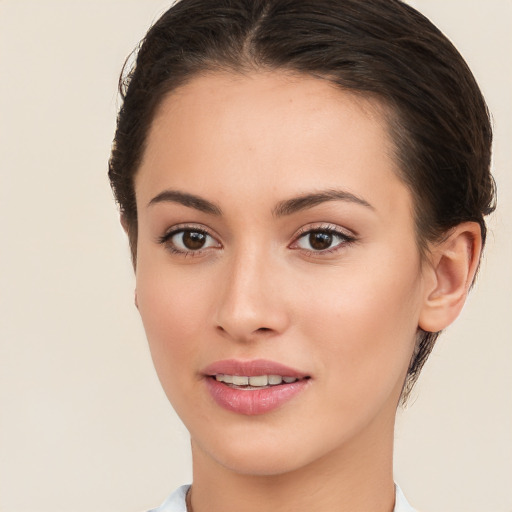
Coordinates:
(174, 310)
(365, 318)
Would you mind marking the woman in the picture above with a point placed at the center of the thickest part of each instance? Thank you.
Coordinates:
(304, 186)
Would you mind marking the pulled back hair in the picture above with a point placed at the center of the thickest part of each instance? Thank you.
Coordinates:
(436, 114)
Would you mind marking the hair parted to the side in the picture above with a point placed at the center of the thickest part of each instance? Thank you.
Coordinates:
(437, 116)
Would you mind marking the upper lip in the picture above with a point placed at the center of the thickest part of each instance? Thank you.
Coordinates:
(252, 368)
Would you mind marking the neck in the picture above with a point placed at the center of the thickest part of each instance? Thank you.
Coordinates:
(352, 478)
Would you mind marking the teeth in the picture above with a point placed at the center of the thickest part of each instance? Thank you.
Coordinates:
(260, 380)
(254, 381)
(275, 379)
(228, 379)
(240, 380)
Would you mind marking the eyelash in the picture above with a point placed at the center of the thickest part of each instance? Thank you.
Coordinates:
(329, 229)
(166, 240)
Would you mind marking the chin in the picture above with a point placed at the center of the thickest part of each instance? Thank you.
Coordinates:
(247, 452)
(267, 453)
(258, 464)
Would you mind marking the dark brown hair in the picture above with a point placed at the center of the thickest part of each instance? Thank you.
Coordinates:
(437, 116)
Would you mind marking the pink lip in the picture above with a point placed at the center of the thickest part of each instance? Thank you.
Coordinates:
(254, 401)
(252, 368)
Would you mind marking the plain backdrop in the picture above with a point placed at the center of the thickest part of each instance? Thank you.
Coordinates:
(84, 425)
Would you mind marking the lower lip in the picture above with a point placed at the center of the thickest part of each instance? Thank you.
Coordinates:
(253, 401)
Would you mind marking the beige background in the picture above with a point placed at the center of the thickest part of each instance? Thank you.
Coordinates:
(84, 425)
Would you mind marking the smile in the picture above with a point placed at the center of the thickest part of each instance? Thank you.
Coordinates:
(253, 382)
(253, 387)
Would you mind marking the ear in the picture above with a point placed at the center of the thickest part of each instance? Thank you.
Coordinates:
(452, 266)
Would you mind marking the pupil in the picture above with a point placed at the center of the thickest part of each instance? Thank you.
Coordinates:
(320, 240)
(193, 239)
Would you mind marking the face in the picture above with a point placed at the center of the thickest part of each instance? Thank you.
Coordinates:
(275, 239)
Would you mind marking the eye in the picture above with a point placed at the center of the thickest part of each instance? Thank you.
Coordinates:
(188, 240)
(320, 240)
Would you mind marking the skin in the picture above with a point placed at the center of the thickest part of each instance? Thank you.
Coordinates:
(346, 316)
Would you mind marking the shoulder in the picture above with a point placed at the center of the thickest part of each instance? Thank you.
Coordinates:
(401, 503)
(175, 502)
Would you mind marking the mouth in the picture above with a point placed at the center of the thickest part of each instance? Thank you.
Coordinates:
(253, 387)
(246, 382)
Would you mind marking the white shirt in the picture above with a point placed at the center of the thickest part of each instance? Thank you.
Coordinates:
(176, 501)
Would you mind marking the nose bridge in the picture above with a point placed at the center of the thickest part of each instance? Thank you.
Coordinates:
(250, 302)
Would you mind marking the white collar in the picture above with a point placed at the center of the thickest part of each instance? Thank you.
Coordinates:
(176, 501)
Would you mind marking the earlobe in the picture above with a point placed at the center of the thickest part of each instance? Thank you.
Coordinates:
(452, 268)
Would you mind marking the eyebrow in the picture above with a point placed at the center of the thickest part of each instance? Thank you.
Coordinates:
(283, 208)
(303, 202)
(186, 199)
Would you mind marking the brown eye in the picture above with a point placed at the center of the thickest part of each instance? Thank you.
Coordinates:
(189, 241)
(193, 240)
(320, 240)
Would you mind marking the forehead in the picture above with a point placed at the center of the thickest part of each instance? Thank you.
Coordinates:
(246, 102)
(267, 131)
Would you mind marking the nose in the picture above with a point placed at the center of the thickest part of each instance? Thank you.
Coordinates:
(251, 303)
